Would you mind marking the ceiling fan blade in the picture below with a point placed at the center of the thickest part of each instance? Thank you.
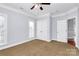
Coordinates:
(41, 8)
(45, 3)
(33, 7)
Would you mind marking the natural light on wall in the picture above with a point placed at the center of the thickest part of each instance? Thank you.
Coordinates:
(31, 29)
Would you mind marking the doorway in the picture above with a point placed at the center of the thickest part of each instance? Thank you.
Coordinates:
(71, 31)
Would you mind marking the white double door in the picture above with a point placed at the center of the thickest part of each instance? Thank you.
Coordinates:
(43, 29)
(62, 30)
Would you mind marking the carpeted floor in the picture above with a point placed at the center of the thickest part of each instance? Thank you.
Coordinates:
(41, 48)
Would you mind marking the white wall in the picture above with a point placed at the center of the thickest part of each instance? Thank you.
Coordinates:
(68, 15)
(78, 28)
(54, 28)
(17, 26)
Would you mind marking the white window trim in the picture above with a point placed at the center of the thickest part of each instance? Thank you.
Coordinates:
(5, 41)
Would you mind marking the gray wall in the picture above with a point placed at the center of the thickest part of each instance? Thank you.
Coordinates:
(54, 28)
(78, 28)
(17, 26)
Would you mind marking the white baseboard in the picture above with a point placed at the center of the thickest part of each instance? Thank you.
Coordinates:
(45, 40)
(14, 44)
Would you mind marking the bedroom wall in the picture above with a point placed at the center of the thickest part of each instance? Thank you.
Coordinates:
(54, 28)
(78, 28)
(73, 13)
(17, 25)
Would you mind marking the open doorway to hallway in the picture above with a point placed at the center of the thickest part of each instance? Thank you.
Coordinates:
(71, 31)
(66, 31)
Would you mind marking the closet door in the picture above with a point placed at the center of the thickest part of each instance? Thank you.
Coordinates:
(3, 29)
(43, 29)
(62, 30)
(39, 29)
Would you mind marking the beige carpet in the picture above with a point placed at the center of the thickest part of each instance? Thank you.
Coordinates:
(41, 48)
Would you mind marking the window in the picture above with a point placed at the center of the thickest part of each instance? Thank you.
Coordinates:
(3, 29)
(31, 29)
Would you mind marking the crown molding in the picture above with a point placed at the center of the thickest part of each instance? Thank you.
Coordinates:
(15, 10)
(68, 12)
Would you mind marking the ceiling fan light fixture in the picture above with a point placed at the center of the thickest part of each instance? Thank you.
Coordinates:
(41, 8)
(45, 3)
(33, 7)
(36, 6)
(39, 5)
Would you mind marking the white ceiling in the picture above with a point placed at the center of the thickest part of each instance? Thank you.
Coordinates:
(54, 8)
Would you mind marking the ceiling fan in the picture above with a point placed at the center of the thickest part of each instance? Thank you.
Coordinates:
(39, 5)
